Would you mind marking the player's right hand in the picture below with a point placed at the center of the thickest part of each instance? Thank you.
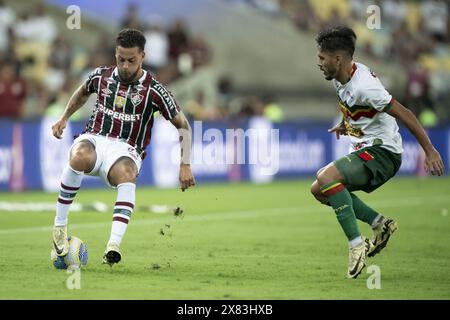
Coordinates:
(339, 129)
(58, 128)
(433, 163)
(186, 178)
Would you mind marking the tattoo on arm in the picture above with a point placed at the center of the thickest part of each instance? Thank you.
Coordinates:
(185, 132)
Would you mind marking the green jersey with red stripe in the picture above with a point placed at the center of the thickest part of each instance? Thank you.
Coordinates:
(125, 111)
(363, 101)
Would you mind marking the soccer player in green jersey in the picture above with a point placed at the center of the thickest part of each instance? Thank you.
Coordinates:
(369, 119)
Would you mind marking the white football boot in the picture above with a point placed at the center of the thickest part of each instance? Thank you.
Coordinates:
(60, 241)
(357, 258)
(112, 254)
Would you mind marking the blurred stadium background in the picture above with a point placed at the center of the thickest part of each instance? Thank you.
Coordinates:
(229, 63)
(232, 64)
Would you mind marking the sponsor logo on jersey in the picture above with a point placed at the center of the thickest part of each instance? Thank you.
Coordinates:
(120, 115)
(119, 102)
(353, 131)
(164, 95)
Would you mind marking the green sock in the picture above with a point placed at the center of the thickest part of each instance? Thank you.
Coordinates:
(362, 211)
(341, 201)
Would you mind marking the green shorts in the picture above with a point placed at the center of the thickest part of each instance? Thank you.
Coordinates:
(368, 168)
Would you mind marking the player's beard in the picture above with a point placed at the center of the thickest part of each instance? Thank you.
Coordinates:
(329, 74)
(128, 79)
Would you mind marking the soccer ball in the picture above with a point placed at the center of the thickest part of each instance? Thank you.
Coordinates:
(75, 258)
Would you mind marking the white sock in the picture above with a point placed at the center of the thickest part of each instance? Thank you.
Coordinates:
(70, 183)
(353, 243)
(122, 211)
(376, 221)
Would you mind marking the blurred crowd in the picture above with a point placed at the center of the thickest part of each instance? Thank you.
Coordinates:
(413, 34)
(232, 106)
(40, 67)
(173, 51)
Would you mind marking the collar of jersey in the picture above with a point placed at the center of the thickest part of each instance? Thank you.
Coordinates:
(115, 76)
(354, 67)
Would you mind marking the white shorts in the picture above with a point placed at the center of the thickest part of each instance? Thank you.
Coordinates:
(108, 151)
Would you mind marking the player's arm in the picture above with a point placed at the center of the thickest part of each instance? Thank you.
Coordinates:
(76, 101)
(433, 161)
(184, 129)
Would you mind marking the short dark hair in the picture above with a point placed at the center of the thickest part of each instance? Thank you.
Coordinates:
(130, 38)
(337, 38)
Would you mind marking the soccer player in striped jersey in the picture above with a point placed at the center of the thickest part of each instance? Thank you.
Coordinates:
(369, 118)
(113, 143)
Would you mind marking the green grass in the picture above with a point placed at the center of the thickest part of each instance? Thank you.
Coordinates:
(236, 241)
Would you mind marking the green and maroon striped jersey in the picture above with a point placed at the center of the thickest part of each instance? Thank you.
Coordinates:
(125, 111)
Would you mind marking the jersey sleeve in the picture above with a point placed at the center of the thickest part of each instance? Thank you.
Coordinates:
(374, 94)
(93, 80)
(163, 101)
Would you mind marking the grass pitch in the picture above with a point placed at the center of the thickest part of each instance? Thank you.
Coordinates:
(234, 241)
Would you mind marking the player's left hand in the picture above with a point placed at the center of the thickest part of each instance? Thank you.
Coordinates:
(433, 163)
(186, 178)
(339, 129)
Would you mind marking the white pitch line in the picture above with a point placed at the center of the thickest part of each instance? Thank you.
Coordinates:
(233, 215)
(203, 217)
